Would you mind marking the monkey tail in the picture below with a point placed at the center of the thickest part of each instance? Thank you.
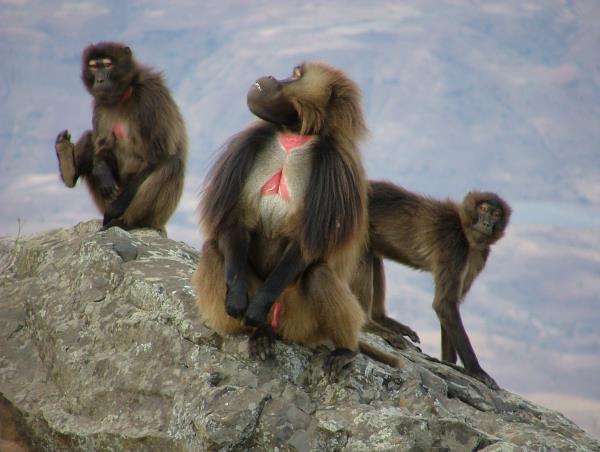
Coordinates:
(378, 355)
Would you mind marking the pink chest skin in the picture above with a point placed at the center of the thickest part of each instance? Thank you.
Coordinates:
(119, 130)
(277, 185)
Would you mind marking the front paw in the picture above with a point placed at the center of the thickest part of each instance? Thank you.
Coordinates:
(256, 314)
(236, 302)
(109, 190)
(66, 159)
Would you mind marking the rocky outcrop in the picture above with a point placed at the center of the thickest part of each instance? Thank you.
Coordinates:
(101, 349)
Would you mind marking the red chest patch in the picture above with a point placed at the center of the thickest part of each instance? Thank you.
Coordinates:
(277, 185)
(119, 130)
(289, 141)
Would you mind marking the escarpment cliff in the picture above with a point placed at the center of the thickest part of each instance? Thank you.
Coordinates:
(101, 349)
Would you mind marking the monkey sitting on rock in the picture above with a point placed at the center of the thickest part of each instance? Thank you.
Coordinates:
(133, 159)
(284, 214)
(451, 240)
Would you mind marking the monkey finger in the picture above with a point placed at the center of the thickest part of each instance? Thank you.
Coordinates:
(397, 342)
(114, 194)
(413, 336)
(407, 331)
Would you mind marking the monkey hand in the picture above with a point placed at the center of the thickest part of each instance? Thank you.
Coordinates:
(258, 310)
(105, 181)
(65, 152)
(104, 143)
(112, 215)
(236, 300)
(108, 189)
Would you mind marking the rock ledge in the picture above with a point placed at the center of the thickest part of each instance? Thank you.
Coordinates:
(101, 349)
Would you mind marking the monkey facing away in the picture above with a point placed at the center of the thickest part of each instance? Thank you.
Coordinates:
(284, 214)
(133, 159)
(450, 240)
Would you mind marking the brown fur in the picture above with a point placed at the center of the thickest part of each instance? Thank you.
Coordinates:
(147, 165)
(439, 237)
(315, 241)
(14, 433)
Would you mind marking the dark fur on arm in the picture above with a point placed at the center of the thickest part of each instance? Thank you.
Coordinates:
(153, 103)
(234, 243)
(334, 203)
(228, 174)
(289, 267)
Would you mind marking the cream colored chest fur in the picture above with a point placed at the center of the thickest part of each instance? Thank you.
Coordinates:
(115, 127)
(275, 189)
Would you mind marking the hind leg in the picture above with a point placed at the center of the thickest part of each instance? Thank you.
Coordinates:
(149, 198)
(74, 160)
(378, 314)
(323, 307)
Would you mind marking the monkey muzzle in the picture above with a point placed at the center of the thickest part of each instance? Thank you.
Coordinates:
(267, 100)
(485, 224)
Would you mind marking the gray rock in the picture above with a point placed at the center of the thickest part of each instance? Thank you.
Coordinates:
(101, 349)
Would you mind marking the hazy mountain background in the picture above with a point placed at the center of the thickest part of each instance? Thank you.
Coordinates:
(502, 96)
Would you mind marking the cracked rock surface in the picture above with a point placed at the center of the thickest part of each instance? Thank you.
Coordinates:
(101, 349)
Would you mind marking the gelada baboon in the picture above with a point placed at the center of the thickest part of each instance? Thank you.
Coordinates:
(133, 159)
(284, 215)
(450, 240)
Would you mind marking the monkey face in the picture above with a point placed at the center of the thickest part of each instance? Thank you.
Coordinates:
(100, 69)
(489, 213)
(267, 99)
(107, 71)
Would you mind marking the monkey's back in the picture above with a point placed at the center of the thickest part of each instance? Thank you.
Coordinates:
(412, 229)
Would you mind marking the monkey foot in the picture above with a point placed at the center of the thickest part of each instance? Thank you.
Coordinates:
(396, 341)
(482, 376)
(478, 374)
(338, 360)
(65, 151)
(400, 328)
(261, 344)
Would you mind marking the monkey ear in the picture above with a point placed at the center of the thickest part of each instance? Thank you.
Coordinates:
(127, 51)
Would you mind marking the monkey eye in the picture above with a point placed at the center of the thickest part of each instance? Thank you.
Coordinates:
(107, 62)
(297, 73)
(92, 64)
(497, 213)
(483, 208)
